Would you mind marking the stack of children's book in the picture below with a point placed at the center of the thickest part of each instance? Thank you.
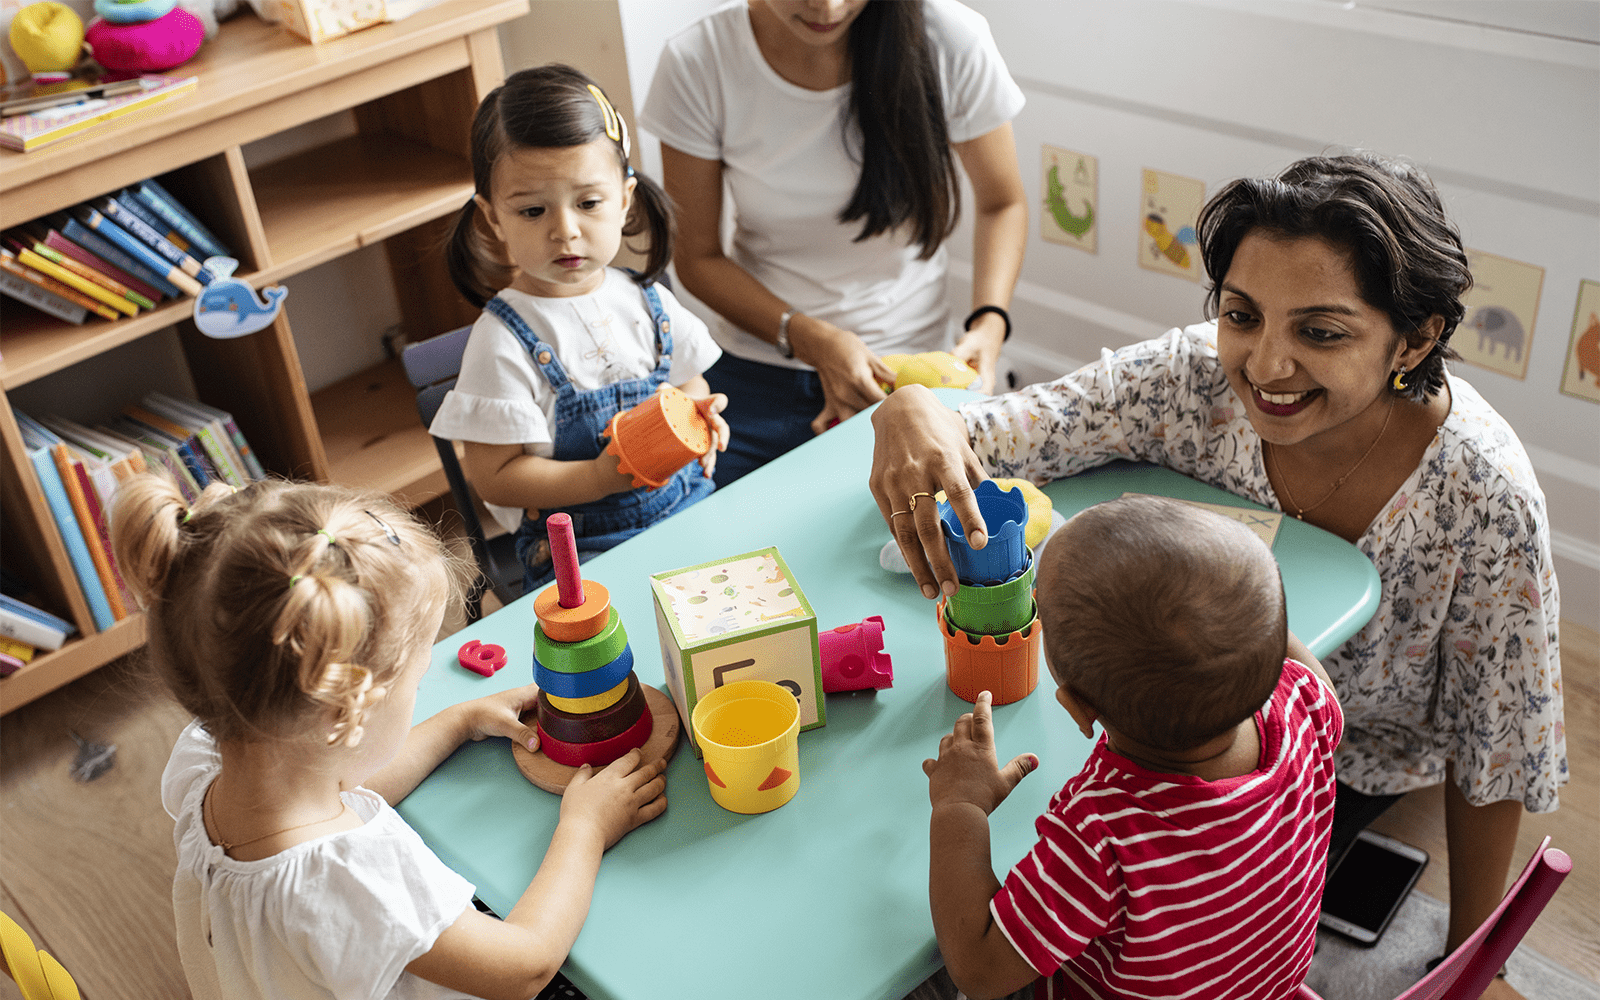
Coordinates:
(24, 630)
(80, 469)
(113, 256)
(37, 115)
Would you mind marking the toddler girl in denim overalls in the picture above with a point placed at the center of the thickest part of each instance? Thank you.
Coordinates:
(566, 341)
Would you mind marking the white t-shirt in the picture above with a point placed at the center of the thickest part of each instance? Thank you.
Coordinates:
(790, 171)
(340, 916)
(600, 338)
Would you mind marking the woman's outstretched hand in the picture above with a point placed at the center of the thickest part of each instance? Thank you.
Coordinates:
(850, 373)
(921, 448)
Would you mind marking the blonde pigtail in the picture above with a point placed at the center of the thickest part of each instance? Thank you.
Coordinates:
(147, 530)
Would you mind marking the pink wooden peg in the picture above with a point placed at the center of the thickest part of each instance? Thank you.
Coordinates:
(564, 553)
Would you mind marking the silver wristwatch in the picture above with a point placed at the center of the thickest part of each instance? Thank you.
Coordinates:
(782, 343)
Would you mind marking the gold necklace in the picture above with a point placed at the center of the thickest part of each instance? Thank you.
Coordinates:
(1301, 512)
(211, 818)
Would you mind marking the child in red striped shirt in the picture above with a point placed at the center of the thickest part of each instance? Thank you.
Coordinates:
(1186, 858)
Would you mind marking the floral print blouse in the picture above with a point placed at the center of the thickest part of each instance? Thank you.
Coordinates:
(1461, 661)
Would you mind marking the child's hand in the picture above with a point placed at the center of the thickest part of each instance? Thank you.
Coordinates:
(967, 770)
(501, 715)
(711, 408)
(617, 799)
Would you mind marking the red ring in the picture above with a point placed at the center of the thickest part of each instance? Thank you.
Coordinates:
(597, 754)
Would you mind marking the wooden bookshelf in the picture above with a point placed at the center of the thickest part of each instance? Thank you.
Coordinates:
(412, 87)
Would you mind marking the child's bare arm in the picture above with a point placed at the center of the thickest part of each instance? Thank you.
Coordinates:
(506, 475)
(436, 738)
(966, 784)
(516, 957)
(1299, 652)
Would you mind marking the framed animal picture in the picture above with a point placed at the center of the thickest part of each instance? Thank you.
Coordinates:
(1581, 376)
(1502, 305)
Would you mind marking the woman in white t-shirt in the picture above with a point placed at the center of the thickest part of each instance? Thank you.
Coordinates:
(832, 125)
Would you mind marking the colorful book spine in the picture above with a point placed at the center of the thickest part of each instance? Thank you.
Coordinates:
(10, 264)
(179, 217)
(17, 648)
(98, 245)
(75, 480)
(38, 443)
(74, 280)
(142, 231)
(159, 455)
(187, 446)
(25, 631)
(66, 248)
(102, 226)
(242, 446)
(45, 301)
(209, 431)
(136, 206)
(99, 277)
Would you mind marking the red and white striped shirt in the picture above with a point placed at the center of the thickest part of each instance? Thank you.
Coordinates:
(1147, 884)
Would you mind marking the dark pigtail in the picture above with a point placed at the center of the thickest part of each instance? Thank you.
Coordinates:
(652, 214)
(907, 173)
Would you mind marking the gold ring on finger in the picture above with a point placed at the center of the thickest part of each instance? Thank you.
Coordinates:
(913, 504)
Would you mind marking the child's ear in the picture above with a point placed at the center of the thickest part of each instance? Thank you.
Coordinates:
(486, 210)
(628, 184)
(1080, 711)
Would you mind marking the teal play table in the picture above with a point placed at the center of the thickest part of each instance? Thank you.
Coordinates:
(827, 896)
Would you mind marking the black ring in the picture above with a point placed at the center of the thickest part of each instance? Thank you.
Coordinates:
(990, 309)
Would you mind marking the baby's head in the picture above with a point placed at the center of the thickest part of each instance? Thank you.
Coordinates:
(1166, 619)
(552, 107)
(283, 610)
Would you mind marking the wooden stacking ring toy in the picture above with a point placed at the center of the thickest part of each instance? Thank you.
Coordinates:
(593, 703)
(587, 684)
(564, 624)
(591, 707)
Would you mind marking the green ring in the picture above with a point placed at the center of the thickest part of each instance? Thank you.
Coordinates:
(581, 657)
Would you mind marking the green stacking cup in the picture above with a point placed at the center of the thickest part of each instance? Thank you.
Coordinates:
(995, 609)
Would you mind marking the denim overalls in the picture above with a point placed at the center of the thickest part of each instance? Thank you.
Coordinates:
(579, 428)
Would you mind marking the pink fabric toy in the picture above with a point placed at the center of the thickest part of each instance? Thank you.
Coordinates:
(170, 40)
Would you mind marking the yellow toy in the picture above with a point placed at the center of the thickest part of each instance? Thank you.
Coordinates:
(935, 369)
(48, 37)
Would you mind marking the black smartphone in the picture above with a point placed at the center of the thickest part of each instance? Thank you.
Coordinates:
(1366, 890)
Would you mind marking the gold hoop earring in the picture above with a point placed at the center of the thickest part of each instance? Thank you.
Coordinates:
(1399, 382)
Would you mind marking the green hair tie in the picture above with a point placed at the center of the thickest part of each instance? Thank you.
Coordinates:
(294, 580)
(328, 535)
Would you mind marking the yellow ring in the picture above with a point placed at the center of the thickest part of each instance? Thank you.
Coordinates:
(912, 506)
(593, 703)
(896, 513)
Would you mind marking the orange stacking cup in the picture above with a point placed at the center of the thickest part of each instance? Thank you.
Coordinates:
(1007, 665)
(658, 437)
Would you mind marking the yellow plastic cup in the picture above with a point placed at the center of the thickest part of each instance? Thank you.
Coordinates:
(749, 733)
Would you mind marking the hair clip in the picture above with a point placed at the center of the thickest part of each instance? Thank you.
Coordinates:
(324, 532)
(388, 532)
(613, 129)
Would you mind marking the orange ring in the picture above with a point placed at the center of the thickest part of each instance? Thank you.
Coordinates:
(573, 624)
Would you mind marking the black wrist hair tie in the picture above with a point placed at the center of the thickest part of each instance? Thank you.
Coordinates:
(990, 309)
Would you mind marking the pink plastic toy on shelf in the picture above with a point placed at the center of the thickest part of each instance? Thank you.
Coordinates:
(853, 658)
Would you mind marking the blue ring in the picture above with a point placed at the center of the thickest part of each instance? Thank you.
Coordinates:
(584, 685)
(133, 13)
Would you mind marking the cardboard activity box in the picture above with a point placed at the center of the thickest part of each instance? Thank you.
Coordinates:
(738, 618)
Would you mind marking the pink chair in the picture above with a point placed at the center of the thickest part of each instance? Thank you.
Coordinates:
(1466, 973)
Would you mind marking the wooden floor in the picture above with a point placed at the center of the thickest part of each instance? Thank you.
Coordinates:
(86, 869)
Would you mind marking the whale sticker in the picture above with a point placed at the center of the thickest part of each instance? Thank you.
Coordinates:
(229, 307)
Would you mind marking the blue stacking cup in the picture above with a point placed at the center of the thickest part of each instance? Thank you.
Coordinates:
(1005, 515)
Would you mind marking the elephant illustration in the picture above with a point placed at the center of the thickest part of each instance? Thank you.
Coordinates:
(1500, 327)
